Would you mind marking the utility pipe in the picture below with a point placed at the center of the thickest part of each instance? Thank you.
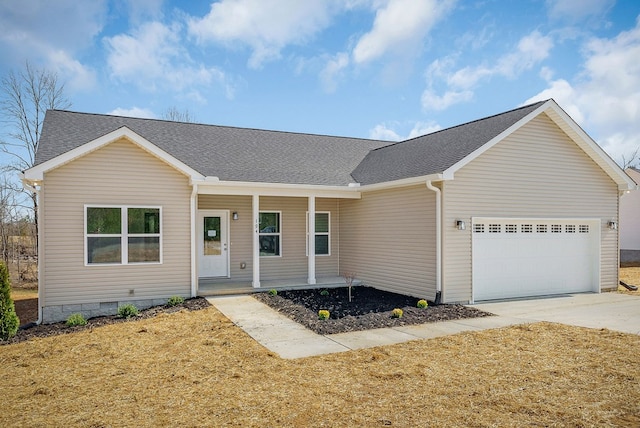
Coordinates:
(34, 188)
(430, 186)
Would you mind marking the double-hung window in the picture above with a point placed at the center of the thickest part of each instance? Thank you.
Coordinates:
(123, 235)
(269, 233)
(322, 233)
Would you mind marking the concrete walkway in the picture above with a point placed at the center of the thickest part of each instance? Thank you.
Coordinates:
(291, 340)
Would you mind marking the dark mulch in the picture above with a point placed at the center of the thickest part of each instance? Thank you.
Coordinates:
(45, 330)
(370, 308)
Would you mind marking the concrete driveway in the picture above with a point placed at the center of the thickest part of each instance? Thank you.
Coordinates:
(614, 311)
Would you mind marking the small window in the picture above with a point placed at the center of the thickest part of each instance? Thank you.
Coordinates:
(570, 228)
(478, 228)
(556, 228)
(511, 228)
(583, 228)
(526, 228)
(323, 238)
(122, 235)
(495, 228)
(541, 228)
(269, 235)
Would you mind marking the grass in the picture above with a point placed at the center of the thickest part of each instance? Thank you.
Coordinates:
(198, 369)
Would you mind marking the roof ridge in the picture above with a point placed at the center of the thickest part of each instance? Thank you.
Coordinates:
(220, 126)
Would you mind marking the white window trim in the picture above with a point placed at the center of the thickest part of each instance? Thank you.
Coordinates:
(320, 233)
(123, 235)
(278, 234)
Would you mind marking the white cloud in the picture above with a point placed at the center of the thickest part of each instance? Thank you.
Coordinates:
(400, 25)
(133, 112)
(266, 26)
(49, 34)
(333, 70)
(531, 50)
(575, 12)
(433, 101)
(605, 97)
(384, 131)
(153, 58)
(78, 76)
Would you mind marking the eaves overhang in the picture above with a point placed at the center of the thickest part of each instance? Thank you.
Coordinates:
(35, 175)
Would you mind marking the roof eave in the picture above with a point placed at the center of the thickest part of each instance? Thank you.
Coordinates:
(36, 173)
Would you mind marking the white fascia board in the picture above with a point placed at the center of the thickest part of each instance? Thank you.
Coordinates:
(449, 172)
(403, 182)
(36, 174)
(569, 127)
(208, 186)
(589, 146)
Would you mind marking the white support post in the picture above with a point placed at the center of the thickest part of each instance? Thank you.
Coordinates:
(312, 241)
(256, 241)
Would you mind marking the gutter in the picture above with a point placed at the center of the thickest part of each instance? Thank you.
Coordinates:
(193, 209)
(438, 192)
(33, 188)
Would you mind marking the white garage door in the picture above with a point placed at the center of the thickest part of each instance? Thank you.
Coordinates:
(534, 257)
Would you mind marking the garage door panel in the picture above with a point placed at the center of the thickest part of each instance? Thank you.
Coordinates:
(533, 257)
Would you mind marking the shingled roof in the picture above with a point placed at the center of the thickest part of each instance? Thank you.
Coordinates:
(251, 155)
(229, 153)
(436, 152)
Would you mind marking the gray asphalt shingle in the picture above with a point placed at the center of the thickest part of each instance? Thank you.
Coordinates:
(252, 155)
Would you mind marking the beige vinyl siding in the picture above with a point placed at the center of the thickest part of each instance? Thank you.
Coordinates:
(388, 240)
(240, 231)
(535, 172)
(293, 262)
(329, 266)
(118, 174)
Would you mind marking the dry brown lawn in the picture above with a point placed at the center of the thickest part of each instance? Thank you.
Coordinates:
(630, 275)
(198, 369)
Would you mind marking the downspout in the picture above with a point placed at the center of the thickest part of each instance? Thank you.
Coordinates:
(430, 186)
(34, 189)
(194, 258)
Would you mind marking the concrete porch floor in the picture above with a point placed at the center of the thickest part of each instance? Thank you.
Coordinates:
(226, 286)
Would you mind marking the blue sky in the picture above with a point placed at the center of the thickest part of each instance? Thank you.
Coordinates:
(384, 69)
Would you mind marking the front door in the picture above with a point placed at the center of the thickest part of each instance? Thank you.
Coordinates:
(213, 252)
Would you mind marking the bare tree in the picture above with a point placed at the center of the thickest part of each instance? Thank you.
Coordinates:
(175, 115)
(26, 96)
(630, 160)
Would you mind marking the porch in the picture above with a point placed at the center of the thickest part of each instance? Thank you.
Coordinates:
(222, 286)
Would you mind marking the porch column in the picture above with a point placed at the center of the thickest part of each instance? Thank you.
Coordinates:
(312, 240)
(256, 241)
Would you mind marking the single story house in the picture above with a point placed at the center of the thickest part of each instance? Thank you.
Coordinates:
(630, 223)
(522, 203)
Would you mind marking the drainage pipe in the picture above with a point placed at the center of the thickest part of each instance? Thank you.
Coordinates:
(430, 186)
(34, 188)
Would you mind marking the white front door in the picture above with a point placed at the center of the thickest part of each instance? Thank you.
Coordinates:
(213, 243)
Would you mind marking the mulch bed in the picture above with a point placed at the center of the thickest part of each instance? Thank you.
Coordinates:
(370, 308)
(32, 331)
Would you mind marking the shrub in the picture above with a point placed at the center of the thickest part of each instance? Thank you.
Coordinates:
(323, 314)
(9, 321)
(396, 313)
(127, 311)
(175, 301)
(273, 292)
(422, 304)
(324, 293)
(75, 320)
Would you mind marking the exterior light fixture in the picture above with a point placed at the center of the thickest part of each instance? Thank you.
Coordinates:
(613, 225)
(461, 225)
(235, 215)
